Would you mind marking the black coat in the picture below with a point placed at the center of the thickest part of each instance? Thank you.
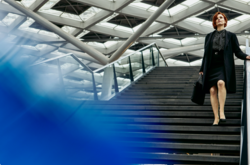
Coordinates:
(231, 46)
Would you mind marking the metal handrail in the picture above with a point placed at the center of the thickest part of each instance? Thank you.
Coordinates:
(131, 55)
(51, 59)
(58, 57)
(245, 124)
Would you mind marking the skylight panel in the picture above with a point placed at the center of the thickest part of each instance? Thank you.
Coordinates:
(51, 34)
(110, 17)
(89, 13)
(232, 22)
(68, 29)
(172, 40)
(4, 2)
(243, 1)
(122, 28)
(207, 23)
(153, 8)
(190, 3)
(242, 18)
(106, 24)
(166, 12)
(32, 30)
(140, 5)
(48, 5)
(177, 9)
(27, 3)
(71, 16)
(82, 34)
(41, 46)
(29, 47)
(10, 18)
(2, 24)
(195, 20)
(110, 43)
(27, 23)
(188, 40)
(96, 44)
(52, 12)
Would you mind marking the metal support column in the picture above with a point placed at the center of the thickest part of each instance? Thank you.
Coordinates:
(140, 31)
(79, 44)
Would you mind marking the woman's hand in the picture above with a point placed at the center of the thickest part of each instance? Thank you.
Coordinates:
(201, 73)
(248, 57)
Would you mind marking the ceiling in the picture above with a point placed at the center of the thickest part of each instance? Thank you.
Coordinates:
(105, 25)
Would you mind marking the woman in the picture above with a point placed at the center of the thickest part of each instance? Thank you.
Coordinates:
(218, 67)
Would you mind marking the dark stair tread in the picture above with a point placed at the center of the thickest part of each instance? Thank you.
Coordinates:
(178, 136)
(164, 158)
(183, 128)
(190, 146)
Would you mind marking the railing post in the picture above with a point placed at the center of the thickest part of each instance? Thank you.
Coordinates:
(152, 54)
(60, 76)
(130, 70)
(142, 62)
(158, 59)
(94, 87)
(115, 80)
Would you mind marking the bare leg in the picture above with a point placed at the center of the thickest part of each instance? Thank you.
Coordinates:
(222, 93)
(214, 102)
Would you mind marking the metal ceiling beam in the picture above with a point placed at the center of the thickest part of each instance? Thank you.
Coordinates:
(236, 6)
(139, 32)
(92, 52)
(106, 5)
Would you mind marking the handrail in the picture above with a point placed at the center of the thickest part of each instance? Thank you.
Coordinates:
(58, 57)
(245, 124)
(109, 64)
(51, 59)
(77, 59)
(247, 71)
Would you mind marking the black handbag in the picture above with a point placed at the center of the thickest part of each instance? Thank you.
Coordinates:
(198, 95)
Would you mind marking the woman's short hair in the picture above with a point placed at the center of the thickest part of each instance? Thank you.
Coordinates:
(215, 17)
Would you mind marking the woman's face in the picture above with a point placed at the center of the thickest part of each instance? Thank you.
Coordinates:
(220, 20)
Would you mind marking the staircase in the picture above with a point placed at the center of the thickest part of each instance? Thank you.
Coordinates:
(158, 122)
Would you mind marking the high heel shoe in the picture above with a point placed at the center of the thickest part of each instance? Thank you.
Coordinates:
(223, 120)
(216, 124)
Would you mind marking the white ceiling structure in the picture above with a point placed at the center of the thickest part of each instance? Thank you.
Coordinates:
(105, 24)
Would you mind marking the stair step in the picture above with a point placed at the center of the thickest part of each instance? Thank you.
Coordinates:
(175, 128)
(176, 136)
(172, 120)
(168, 158)
(187, 114)
(140, 108)
(182, 147)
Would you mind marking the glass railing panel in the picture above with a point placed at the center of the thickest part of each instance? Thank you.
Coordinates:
(147, 56)
(64, 75)
(104, 82)
(136, 65)
(122, 73)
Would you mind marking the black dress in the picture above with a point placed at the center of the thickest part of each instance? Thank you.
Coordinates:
(216, 70)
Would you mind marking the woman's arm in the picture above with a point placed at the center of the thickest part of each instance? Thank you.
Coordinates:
(236, 48)
(202, 65)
